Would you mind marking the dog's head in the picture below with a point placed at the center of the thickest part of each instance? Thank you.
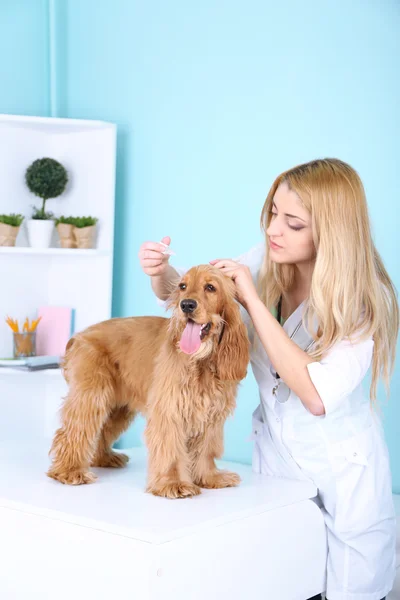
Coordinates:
(206, 321)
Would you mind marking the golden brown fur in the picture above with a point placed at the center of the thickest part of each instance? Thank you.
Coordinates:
(122, 367)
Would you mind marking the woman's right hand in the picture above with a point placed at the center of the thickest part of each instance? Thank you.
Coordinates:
(152, 260)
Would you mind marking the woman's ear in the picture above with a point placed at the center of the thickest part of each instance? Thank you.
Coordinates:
(232, 354)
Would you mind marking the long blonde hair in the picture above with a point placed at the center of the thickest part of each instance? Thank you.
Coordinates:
(351, 292)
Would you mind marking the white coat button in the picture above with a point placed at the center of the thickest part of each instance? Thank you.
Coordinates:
(355, 454)
(277, 419)
(255, 432)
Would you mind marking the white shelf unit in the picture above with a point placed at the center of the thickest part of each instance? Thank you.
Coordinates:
(53, 251)
(33, 277)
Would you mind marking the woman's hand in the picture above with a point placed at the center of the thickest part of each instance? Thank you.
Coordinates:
(241, 275)
(153, 260)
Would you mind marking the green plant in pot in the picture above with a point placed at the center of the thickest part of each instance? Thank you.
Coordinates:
(9, 228)
(84, 231)
(65, 227)
(46, 178)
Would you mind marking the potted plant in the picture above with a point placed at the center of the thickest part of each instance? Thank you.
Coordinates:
(84, 231)
(9, 227)
(45, 178)
(65, 228)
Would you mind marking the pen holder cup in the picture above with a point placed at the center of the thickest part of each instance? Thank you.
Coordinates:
(24, 344)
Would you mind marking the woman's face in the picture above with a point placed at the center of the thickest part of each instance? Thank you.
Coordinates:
(290, 233)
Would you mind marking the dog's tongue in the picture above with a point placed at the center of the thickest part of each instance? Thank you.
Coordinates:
(190, 340)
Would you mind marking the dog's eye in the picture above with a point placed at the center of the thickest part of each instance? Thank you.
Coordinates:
(210, 288)
(182, 286)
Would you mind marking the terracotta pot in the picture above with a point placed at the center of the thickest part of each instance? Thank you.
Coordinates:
(66, 233)
(85, 236)
(8, 234)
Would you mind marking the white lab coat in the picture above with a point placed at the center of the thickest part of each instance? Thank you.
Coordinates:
(343, 452)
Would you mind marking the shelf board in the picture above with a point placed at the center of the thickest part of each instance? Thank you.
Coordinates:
(47, 372)
(53, 251)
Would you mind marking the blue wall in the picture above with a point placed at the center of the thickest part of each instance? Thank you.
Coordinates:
(24, 74)
(212, 101)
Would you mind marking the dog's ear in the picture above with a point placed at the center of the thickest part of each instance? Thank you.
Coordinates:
(232, 353)
(173, 295)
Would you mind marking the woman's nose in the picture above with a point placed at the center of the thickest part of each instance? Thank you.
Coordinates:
(274, 228)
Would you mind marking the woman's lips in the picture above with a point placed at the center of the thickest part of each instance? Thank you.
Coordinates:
(274, 246)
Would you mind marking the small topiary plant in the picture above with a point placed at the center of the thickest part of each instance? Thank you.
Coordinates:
(12, 219)
(46, 178)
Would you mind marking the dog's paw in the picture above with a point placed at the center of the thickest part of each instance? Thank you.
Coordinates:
(219, 479)
(72, 477)
(111, 459)
(178, 489)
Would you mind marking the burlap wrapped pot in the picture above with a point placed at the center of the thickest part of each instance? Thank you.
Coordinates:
(66, 233)
(85, 236)
(8, 234)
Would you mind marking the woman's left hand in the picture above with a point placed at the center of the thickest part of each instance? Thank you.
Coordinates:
(241, 275)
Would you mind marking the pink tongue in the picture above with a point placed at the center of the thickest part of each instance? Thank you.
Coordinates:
(190, 340)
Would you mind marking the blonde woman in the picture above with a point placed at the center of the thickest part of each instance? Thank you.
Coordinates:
(321, 310)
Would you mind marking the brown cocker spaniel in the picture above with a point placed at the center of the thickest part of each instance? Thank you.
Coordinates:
(181, 373)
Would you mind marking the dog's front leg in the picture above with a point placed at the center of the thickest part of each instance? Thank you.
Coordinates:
(206, 449)
(168, 460)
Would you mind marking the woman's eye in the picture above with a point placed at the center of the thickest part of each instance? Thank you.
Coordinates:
(296, 228)
(210, 288)
(182, 286)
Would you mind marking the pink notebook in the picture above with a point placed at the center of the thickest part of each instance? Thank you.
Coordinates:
(54, 330)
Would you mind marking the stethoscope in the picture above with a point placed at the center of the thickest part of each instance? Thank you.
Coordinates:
(281, 391)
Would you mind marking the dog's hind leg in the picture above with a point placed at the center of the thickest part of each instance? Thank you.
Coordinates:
(118, 421)
(83, 416)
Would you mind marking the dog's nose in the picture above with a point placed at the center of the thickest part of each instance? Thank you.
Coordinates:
(188, 306)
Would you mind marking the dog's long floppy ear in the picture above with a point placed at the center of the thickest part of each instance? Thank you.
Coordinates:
(233, 350)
